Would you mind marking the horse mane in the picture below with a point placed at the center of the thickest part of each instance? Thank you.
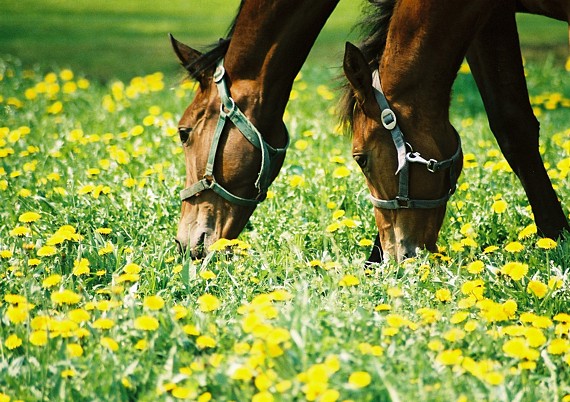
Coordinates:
(373, 28)
(213, 53)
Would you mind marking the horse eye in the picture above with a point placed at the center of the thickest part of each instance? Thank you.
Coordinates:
(361, 159)
(184, 133)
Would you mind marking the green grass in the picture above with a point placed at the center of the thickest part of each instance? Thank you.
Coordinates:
(298, 316)
(118, 39)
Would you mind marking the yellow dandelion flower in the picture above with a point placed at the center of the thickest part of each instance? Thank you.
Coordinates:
(395, 292)
(38, 338)
(443, 295)
(65, 296)
(459, 317)
(51, 281)
(301, 144)
(78, 315)
(559, 346)
(207, 275)
(109, 343)
(68, 373)
(359, 379)
(450, 357)
(546, 243)
(141, 344)
(528, 231)
(208, 302)
(435, 345)
(514, 247)
(146, 323)
(476, 267)
(81, 267)
(205, 341)
(499, 206)
(454, 334)
(103, 323)
(365, 243)
(179, 312)
(13, 342)
(107, 249)
(348, 281)
(20, 231)
(74, 349)
(29, 217)
(296, 181)
(55, 108)
(494, 378)
(516, 270)
(516, 347)
(132, 268)
(383, 307)
(341, 172)
(490, 249)
(154, 302)
(537, 288)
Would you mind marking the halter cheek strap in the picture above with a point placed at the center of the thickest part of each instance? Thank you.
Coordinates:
(229, 110)
(406, 156)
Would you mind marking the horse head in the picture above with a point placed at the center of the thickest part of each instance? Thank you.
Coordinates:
(409, 191)
(228, 164)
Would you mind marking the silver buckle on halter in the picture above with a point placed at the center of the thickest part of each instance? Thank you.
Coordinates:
(219, 74)
(403, 202)
(388, 119)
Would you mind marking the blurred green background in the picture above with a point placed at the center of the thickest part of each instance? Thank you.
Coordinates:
(121, 38)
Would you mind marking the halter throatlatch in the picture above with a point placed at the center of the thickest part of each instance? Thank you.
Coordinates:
(406, 155)
(229, 110)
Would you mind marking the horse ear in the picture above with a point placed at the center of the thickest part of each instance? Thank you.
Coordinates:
(358, 74)
(185, 53)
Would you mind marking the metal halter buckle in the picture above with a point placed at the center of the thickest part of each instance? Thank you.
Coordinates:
(403, 202)
(219, 74)
(388, 119)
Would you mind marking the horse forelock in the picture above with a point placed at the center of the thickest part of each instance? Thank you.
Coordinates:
(373, 28)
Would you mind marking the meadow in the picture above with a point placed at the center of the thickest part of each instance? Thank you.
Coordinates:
(97, 304)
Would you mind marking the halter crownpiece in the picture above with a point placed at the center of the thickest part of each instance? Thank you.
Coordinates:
(229, 109)
(405, 157)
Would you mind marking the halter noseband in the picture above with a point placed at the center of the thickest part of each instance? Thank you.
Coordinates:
(405, 157)
(229, 109)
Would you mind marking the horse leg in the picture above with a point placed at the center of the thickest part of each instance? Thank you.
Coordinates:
(496, 64)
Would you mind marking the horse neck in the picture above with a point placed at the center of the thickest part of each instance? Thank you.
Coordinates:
(426, 43)
(270, 42)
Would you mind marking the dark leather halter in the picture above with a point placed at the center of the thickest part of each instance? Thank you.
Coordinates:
(406, 155)
(229, 109)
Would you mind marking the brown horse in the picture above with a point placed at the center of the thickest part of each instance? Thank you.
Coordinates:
(233, 133)
(415, 49)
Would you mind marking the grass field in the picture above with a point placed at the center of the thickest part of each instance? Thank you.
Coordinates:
(119, 39)
(96, 304)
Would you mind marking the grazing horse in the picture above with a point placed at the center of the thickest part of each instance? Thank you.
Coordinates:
(397, 103)
(233, 133)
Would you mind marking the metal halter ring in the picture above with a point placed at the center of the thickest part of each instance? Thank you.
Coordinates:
(223, 107)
